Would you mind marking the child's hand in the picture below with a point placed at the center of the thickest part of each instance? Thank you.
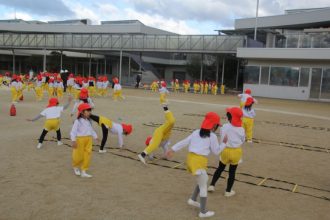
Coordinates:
(225, 139)
(29, 119)
(169, 154)
(74, 144)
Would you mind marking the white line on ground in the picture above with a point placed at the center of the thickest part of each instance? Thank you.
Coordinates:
(226, 106)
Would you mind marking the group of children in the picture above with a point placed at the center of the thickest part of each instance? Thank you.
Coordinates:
(198, 87)
(201, 142)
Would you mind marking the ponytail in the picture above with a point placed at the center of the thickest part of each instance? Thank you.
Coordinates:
(204, 133)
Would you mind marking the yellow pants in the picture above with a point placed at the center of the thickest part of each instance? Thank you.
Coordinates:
(105, 121)
(92, 91)
(45, 86)
(14, 96)
(19, 94)
(76, 93)
(162, 133)
(241, 104)
(162, 98)
(196, 162)
(50, 92)
(52, 124)
(81, 155)
(39, 93)
(117, 94)
(231, 156)
(30, 86)
(222, 90)
(59, 93)
(248, 124)
(69, 89)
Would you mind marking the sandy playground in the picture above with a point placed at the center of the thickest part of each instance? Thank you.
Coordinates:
(284, 175)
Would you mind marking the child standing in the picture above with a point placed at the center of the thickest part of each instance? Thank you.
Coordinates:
(245, 96)
(38, 88)
(14, 89)
(233, 135)
(160, 136)
(83, 98)
(163, 93)
(201, 143)
(82, 135)
(248, 119)
(115, 128)
(59, 88)
(52, 114)
(117, 91)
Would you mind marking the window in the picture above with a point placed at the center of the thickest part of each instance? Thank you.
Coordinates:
(325, 89)
(304, 77)
(251, 74)
(284, 76)
(264, 75)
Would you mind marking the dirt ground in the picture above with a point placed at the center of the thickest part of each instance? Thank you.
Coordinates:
(291, 150)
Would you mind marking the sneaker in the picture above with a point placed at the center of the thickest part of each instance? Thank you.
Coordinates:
(76, 171)
(142, 159)
(250, 141)
(211, 189)
(85, 175)
(194, 203)
(229, 194)
(102, 151)
(39, 145)
(206, 215)
(59, 143)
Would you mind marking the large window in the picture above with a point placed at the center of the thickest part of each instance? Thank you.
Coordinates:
(304, 77)
(264, 78)
(251, 74)
(284, 76)
(325, 90)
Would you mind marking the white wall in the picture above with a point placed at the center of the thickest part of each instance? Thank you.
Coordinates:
(281, 92)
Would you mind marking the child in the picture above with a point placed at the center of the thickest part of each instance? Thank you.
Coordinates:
(160, 136)
(83, 98)
(82, 135)
(201, 143)
(222, 89)
(52, 114)
(70, 83)
(51, 87)
(177, 85)
(115, 128)
(245, 96)
(248, 119)
(163, 93)
(14, 89)
(38, 88)
(117, 91)
(59, 88)
(234, 136)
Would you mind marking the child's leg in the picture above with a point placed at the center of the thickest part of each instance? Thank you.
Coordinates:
(87, 152)
(59, 136)
(231, 179)
(105, 133)
(78, 153)
(195, 193)
(42, 136)
(202, 184)
(217, 173)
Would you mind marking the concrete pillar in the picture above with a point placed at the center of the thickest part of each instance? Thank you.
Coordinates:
(14, 62)
(61, 61)
(223, 70)
(237, 74)
(120, 65)
(217, 71)
(45, 61)
(105, 66)
(201, 72)
(140, 64)
(90, 65)
(129, 69)
(97, 67)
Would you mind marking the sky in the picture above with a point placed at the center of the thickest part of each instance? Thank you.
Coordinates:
(179, 16)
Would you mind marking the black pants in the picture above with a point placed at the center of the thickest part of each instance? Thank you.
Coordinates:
(105, 130)
(231, 178)
(137, 84)
(44, 133)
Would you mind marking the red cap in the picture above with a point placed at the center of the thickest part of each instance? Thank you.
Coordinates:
(115, 80)
(148, 140)
(82, 107)
(52, 102)
(236, 116)
(163, 84)
(249, 101)
(211, 119)
(248, 91)
(127, 128)
(83, 93)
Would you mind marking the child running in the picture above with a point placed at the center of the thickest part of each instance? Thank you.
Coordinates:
(160, 136)
(52, 114)
(163, 93)
(115, 128)
(82, 135)
(233, 134)
(248, 119)
(83, 98)
(201, 143)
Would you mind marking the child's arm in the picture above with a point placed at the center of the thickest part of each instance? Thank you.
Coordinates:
(73, 133)
(35, 118)
(178, 146)
(120, 139)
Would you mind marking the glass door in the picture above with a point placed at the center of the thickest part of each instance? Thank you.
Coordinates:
(315, 83)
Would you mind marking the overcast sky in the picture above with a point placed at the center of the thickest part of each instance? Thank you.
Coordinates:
(180, 16)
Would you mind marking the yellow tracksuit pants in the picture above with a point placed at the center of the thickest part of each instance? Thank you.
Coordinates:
(81, 155)
(92, 91)
(14, 96)
(248, 124)
(59, 93)
(161, 133)
(50, 92)
(162, 98)
(117, 94)
(39, 93)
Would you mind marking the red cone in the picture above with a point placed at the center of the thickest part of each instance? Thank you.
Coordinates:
(12, 110)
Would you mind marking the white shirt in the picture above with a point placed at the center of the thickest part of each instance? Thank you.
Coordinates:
(52, 112)
(99, 84)
(163, 90)
(39, 83)
(236, 135)
(14, 84)
(198, 145)
(85, 85)
(249, 114)
(117, 87)
(118, 130)
(50, 84)
(244, 97)
(82, 127)
(70, 82)
(105, 84)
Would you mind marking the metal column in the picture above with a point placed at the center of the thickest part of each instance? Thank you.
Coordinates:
(14, 62)
(90, 65)
(105, 66)
(120, 65)
(201, 73)
(45, 60)
(129, 69)
(237, 73)
(217, 71)
(61, 62)
(223, 71)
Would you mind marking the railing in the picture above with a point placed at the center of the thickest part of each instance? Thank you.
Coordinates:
(311, 40)
(125, 42)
